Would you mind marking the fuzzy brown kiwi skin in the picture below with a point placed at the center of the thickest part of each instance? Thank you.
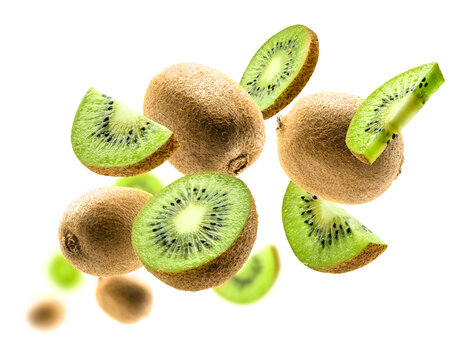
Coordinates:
(123, 298)
(220, 269)
(154, 160)
(46, 314)
(299, 81)
(313, 153)
(218, 125)
(95, 230)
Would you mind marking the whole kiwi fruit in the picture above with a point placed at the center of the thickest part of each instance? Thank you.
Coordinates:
(218, 125)
(313, 152)
(46, 314)
(95, 230)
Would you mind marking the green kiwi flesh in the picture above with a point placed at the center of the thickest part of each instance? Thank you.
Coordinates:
(147, 182)
(254, 280)
(63, 274)
(389, 108)
(281, 68)
(183, 234)
(112, 139)
(325, 237)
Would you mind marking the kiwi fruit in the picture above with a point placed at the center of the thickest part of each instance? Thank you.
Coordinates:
(95, 230)
(197, 232)
(63, 274)
(111, 139)
(124, 298)
(389, 108)
(313, 152)
(324, 236)
(254, 280)
(281, 68)
(218, 125)
(46, 314)
(147, 182)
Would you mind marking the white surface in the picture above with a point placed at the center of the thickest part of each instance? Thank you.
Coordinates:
(406, 304)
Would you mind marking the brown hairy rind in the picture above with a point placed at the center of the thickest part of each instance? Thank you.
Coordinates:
(154, 160)
(218, 125)
(220, 269)
(299, 81)
(46, 314)
(313, 152)
(95, 230)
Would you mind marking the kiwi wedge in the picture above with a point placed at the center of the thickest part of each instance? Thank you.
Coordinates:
(147, 182)
(254, 280)
(197, 232)
(63, 274)
(389, 108)
(281, 68)
(111, 139)
(324, 236)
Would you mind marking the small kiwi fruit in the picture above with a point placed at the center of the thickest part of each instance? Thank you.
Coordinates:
(324, 236)
(254, 280)
(197, 232)
(281, 68)
(313, 152)
(218, 125)
(111, 139)
(147, 182)
(389, 108)
(46, 314)
(124, 298)
(95, 230)
(63, 274)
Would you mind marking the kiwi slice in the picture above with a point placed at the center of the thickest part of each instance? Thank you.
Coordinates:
(147, 182)
(389, 108)
(63, 274)
(197, 232)
(325, 237)
(254, 280)
(280, 68)
(111, 139)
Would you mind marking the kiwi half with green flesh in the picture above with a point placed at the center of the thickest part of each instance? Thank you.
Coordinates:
(313, 153)
(197, 232)
(46, 314)
(389, 108)
(124, 298)
(63, 274)
(218, 125)
(147, 182)
(324, 236)
(281, 68)
(254, 280)
(111, 139)
(95, 230)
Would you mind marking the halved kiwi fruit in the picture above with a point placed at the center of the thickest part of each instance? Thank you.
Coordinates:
(254, 280)
(389, 108)
(281, 68)
(147, 182)
(111, 139)
(63, 274)
(197, 232)
(324, 236)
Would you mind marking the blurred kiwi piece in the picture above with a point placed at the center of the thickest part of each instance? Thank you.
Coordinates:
(147, 182)
(63, 274)
(46, 314)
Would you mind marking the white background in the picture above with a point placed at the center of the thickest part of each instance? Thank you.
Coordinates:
(406, 304)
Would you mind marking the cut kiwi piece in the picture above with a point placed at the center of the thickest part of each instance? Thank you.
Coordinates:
(147, 182)
(389, 108)
(325, 237)
(63, 274)
(111, 139)
(280, 68)
(197, 232)
(254, 280)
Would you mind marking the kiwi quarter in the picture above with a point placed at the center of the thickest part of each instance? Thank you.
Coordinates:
(95, 230)
(111, 139)
(324, 236)
(254, 280)
(46, 314)
(313, 152)
(147, 182)
(389, 108)
(124, 298)
(198, 231)
(281, 68)
(63, 274)
(218, 125)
